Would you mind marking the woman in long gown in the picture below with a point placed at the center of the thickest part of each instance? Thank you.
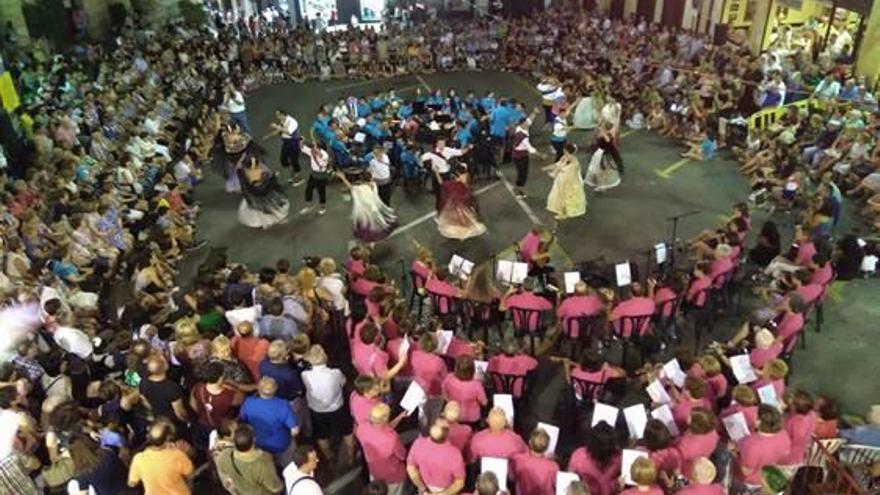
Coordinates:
(237, 149)
(458, 215)
(264, 203)
(586, 111)
(602, 175)
(372, 219)
(567, 198)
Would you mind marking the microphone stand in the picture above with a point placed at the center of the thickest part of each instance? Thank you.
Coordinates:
(675, 219)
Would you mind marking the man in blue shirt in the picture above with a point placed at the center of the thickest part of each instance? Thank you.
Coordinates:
(273, 421)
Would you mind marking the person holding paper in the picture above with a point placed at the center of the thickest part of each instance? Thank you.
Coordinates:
(644, 474)
(773, 374)
(460, 386)
(769, 446)
(598, 461)
(366, 395)
(370, 359)
(658, 441)
(458, 214)
(383, 451)
(699, 440)
(692, 396)
(497, 440)
(533, 472)
(428, 368)
(434, 465)
(715, 380)
(800, 423)
(745, 400)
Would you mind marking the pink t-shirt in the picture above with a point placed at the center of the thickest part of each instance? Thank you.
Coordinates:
(805, 253)
(362, 286)
(760, 357)
(601, 376)
(662, 296)
(517, 365)
(800, 428)
(529, 301)
(469, 394)
(810, 292)
(421, 270)
(460, 436)
(601, 480)
(720, 267)
(713, 489)
(384, 452)
(696, 294)
(632, 307)
(758, 450)
(790, 324)
(682, 411)
(823, 275)
(577, 306)
(443, 288)
(691, 447)
(429, 370)
(667, 459)
(458, 347)
(504, 444)
(360, 407)
(778, 385)
(369, 360)
(717, 386)
(653, 490)
(439, 464)
(528, 245)
(750, 413)
(534, 475)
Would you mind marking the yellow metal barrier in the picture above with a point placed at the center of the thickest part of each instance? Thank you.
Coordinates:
(763, 119)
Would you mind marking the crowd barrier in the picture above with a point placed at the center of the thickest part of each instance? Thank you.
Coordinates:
(766, 117)
(823, 472)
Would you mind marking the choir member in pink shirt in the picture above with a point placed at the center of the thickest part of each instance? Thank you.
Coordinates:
(791, 320)
(459, 434)
(369, 359)
(523, 298)
(769, 446)
(714, 378)
(497, 440)
(511, 361)
(593, 369)
(383, 451)
(800, 423)
(364, 397)
(533, 472)
(702, 480)
(423, 265)
(699, 440)
(441, 284)
(808, 292)
(657, 441)
(635, 305)
(584, 302)
(644, 475)
(597, 463)
(356, 265)
(429, 369)
(722, 264)
(697, 294)
(693, 396)
(435, 465)
(528, 245)
(773, 374)
(461, 387)
(745, 400)
(665, 294)
(766, 349)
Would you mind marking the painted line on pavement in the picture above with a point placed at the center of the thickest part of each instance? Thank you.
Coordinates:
(667, 172)
(422, 80)
(521, 202)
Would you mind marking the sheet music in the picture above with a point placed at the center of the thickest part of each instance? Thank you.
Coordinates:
(360, 137)
(624, 276)
(736, 426)
(413, 398)
(636, 419)
(606, 413)
(628, 457)
(444, 338)
(767, 394)
(658, 393)
(553, 433)
(564, 480)
(404, 348)
(742, 369)
(673, 371)
(505, 403)
(460, 267)
(571, 279)
(511, 272)
(481, 367)
(497, 466)
(520, 272)
(664, 414)
(660, 253)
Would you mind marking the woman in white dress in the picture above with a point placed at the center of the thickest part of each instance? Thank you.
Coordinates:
(567, 198)
(372, 219)
(264, 204)
(586, 111)
(602, 175)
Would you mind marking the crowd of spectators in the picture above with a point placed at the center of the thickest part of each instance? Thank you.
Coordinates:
(274, 377)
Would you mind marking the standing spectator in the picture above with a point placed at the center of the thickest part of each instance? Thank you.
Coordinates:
(247, 469)
(384, 452)
(290, 385)
(162, 467)
(299, 475)
(233, 100)
(212, 401)
(248, 348)
(330, 418)
(164, 395)
(275, 425)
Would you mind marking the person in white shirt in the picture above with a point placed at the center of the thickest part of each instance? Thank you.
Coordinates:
(520, 152)
(299, 475)
(548, 87)
(380, 169)
(324, 394)
(438, 161)
(828, 88)
(287, 128)
(233, 101)
(319, 175)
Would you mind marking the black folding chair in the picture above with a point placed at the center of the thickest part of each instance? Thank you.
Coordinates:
(586, 393)
(441, 304)
(522, 324)
(418, 291)
(639, 325)
(587, 328)
(479, 316)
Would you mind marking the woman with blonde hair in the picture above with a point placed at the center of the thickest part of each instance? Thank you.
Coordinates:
(233, 370)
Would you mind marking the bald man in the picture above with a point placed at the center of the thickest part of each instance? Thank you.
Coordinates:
(274, 422)
(161, 467)
(383, 450)
(459, 434)
(497, 440)
(434, 465)
(584, 302)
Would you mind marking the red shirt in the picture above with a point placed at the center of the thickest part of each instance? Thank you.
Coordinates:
(469, 394)
(251, 351)
(503, 444)
(438, 464)
(534, 475)
(632, 307)
(213, 409)
(429, 370)
(601, 480)
(758, 450)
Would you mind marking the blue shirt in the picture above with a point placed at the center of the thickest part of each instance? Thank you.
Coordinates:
(363, 109)
(290, 384)
(499, 121)
(863, 435)
(272, 419)
(405, 112)
(487, 103)
(464, 136)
